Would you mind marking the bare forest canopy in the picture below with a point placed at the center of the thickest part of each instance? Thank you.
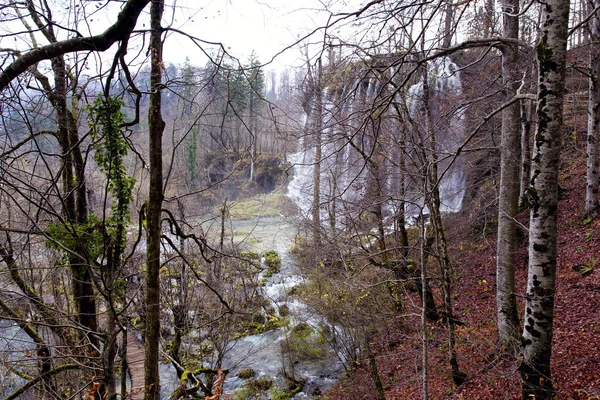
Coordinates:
(133, 150)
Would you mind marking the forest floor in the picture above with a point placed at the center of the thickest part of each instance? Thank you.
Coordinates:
(576, 344)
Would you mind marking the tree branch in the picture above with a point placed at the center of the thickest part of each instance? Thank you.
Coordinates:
(28, 385)
(120, 30)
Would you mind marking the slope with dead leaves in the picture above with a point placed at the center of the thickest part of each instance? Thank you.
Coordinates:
(576, 344)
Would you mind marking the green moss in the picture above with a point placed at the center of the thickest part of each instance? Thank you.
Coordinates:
(243, 393)
(252, 388)
(278, 393)
(304, 343)
(246, 373)
(284, 310)
(261, 384)
(302, 331)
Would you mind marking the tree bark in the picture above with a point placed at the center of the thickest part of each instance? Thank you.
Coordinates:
(526, 125)
(316, 211)
(508, 319)
(543, 194)
(74, 188)
(156, 127)
(448, 22)
(374, 371)
(432, 199)
(591, 193)
(425, 354)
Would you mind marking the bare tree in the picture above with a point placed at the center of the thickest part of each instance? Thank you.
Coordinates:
(508, 320)
(543, 197)
(591, 194)
(156, 126)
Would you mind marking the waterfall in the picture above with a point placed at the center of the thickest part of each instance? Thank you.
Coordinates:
(300, 187)
(345, 175)
(444, 84)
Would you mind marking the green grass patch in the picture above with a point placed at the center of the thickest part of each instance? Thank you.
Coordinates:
(264, 205)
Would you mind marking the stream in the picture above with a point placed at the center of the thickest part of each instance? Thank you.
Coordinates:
(263, 352)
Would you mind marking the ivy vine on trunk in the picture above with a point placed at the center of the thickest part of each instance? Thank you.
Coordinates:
(105, 120)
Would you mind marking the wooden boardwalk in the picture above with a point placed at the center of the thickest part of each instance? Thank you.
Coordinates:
(135, 361)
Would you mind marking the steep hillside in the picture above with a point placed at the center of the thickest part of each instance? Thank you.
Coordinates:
(576, 348)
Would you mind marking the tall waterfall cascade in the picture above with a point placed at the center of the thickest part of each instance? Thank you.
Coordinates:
(347, 176)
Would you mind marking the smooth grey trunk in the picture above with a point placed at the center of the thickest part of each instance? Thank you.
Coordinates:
(124, 365)
(543, 197)
(332, 199)
(526, 125)
(110, 351)
(508, 202)
(591, 192)
(488, 25)
(402, 234)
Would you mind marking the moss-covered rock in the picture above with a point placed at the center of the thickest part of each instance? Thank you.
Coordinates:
(246, 373)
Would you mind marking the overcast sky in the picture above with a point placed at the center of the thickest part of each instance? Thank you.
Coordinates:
(243, 26)
(265, 26)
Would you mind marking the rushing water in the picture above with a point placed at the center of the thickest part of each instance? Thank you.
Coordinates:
(263, 352)
(15, 345)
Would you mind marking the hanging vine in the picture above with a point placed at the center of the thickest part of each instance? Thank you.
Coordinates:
(105, 119)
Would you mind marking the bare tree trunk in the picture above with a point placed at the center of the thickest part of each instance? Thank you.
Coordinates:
(448, 22)
(124, 365)
(73, 169)
(253, 134)
(110, 351)
(444, 261)
(219, 260)
(488, 26)
(114, 260)
(401, 217)
(425, 355)
(316, 211)
(541, 283)
(508, 319)
(156, 127)
(526, 122)
(591, 193)
(433, 203)
(374, 371)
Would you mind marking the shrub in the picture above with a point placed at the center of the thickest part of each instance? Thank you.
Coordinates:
(261, 384)
(272, 261)
(246, 373)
